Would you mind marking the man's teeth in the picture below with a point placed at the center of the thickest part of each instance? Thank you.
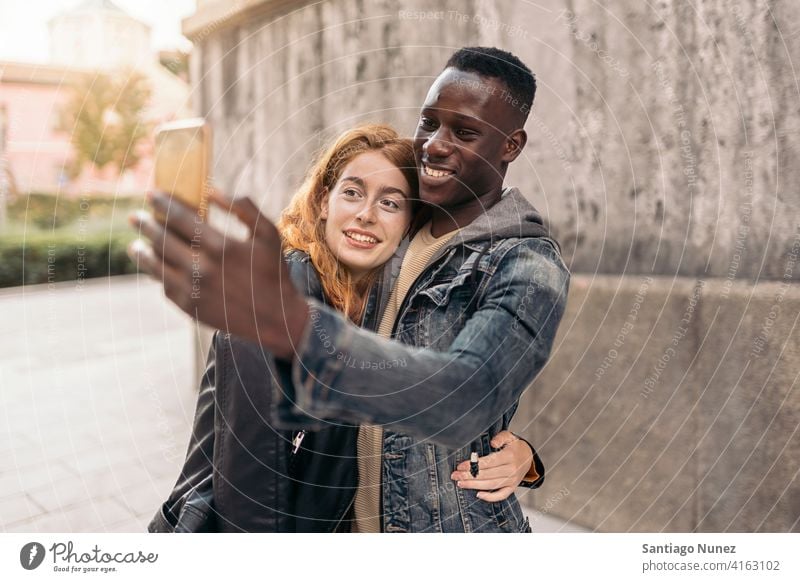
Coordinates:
(361, 237)
(435, 173)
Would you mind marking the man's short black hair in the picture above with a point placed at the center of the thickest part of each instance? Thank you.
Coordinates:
(499, 64)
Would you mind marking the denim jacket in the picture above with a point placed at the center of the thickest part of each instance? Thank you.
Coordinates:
(474, 330)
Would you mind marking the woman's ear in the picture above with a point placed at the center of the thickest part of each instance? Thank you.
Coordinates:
(323, 211)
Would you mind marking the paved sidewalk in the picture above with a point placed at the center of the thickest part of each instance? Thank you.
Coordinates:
(96, 385)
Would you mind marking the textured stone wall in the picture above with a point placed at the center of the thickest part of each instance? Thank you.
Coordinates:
(672, 127)
(664, 135)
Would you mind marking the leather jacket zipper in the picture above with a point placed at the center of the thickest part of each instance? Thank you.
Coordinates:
(296, 442)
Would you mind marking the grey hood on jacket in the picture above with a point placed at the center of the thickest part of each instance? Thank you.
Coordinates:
(512, 217)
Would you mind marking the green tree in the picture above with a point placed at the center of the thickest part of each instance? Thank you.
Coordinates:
(104, 117)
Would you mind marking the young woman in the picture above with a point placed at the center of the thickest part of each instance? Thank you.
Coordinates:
(341, 229)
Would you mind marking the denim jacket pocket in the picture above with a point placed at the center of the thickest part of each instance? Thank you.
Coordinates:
(440, 293)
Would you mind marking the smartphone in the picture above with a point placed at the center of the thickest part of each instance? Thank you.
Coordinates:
(183, 152)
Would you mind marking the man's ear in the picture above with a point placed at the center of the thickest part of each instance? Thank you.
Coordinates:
(515, 143)
(323, 211)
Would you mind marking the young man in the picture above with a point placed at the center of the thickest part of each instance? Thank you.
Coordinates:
(472, 316)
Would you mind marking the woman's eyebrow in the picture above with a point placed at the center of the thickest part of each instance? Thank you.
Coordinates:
(393, 190)
(382, 190)
(355, 179)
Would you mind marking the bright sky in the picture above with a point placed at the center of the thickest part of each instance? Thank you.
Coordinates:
(23, 24)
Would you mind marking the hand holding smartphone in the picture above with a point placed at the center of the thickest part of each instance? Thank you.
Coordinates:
(183, 152)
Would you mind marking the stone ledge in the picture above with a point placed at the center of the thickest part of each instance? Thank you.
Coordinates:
(218, 14)
(684, 421)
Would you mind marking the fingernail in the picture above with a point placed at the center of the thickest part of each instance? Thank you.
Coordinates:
(137, 246)
(140, 216)
(132, 253)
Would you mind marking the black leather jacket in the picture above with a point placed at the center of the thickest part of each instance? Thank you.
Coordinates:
(241, 474)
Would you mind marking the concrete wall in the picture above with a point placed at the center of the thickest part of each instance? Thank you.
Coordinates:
(671, 404)
(662, 147)
(662, 139)
(669, 131)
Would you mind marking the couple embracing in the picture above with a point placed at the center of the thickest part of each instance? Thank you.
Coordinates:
(374, 346)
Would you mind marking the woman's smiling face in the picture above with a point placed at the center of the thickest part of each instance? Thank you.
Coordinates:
(367, 213)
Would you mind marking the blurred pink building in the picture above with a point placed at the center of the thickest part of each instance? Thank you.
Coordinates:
(84, 41)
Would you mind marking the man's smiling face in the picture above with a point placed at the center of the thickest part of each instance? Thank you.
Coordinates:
(461, 142)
